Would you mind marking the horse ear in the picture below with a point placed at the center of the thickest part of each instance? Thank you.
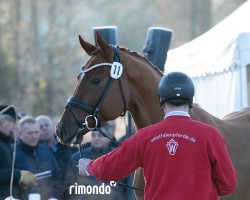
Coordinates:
(88, 48)
(106, 49)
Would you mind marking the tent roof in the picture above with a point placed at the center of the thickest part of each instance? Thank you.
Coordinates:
(214, 50)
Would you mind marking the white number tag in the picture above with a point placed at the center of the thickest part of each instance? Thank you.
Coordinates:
(116, 70)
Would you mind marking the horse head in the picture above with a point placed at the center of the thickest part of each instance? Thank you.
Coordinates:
(96, 98)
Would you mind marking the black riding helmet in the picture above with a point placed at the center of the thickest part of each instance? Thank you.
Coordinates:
(176, 88)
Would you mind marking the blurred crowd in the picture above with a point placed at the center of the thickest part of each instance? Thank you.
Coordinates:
(44, 166)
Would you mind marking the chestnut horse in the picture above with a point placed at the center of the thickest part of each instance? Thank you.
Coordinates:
(106, 89)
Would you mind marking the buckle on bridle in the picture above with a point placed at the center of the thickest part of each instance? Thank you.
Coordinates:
(86, 123)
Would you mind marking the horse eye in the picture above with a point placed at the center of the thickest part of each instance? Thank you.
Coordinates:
(95, 81)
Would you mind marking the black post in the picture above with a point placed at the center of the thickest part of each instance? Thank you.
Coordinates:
(108, 33)
(157, 45)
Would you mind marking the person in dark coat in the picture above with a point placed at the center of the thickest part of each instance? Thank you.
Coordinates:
(37, 158)
(61, 152)
(20, 178)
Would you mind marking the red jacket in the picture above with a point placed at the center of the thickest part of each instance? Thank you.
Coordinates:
(182, 159)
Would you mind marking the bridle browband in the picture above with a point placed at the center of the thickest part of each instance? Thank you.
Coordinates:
(93, 112)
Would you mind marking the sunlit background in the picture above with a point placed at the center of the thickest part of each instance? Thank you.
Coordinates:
(40, 55)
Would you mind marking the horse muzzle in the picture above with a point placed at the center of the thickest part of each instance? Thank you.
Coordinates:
(67, 138)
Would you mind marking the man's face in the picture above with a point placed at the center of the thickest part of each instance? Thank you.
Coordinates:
(7, 126)
(46, 129)
(98, 141)
(30, 134)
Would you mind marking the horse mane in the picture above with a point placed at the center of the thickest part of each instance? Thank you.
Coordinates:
(142, 57)
(133, 54)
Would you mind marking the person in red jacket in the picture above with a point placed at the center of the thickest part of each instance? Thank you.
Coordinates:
(182, 158)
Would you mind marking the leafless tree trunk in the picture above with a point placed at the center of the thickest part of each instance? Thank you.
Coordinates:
(200, 17)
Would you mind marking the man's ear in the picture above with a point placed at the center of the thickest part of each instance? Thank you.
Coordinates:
(2, 123)
(163, 105)
(20, 135)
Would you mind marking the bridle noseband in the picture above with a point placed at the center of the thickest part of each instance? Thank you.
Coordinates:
(74, 102)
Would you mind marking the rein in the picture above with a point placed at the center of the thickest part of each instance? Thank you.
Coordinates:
(116, 144)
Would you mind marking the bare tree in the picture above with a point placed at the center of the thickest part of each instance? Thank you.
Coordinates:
(40, 52)
(200, 17)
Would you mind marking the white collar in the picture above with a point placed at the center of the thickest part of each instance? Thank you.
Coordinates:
(176, 113)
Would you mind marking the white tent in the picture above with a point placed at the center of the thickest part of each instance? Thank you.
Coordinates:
(217, 61)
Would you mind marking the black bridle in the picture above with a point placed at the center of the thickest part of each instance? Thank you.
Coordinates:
(93, 112)
(74, 102)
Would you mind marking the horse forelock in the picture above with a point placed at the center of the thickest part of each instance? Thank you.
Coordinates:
(97, 50)
(93, 55)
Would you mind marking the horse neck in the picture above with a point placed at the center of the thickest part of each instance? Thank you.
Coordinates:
(144, 102)
(201, 115)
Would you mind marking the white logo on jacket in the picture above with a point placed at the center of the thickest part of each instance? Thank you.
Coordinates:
(172, 146)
